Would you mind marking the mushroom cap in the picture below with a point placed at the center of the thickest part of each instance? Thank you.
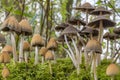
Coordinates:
(84, 7)
(4, 57)
(105, 21)
(106, 35)
(94, 46)
(26, 29)
(76, 21)
(70, 30)
(37, 40)
(112, 70)
(61, 26)
(114, 36)
(100, 9)
(26, 46)
(62, 39)
(5, 72)
(49, 55)
(117, 30)
(2, 39)
(8, 49)
(11, 24)
(43, 51)
(52, 44)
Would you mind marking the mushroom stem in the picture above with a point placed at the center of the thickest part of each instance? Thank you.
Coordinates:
(86, 16)
(54, 56)
(14, 46)
(21, 49)
(26, 57)
(36, 55)
(42, 59)
(106, 54)
(50, 66)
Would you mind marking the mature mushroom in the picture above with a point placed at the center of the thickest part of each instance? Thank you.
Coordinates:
(42, 52)
(100, 11)
(87, 8)
(8, 49)
(5, 72)
(26, 48)
(112, 70)
(11, 25)
(36, 42)
(49, 56)
(4, 58)
(26, 30)
(94, 47)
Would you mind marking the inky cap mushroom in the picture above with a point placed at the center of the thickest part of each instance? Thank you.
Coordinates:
(43, 51)
(4, 57)
(26, 46)
(49, 55)
(52, 44)
(7, 49)
(5, 72)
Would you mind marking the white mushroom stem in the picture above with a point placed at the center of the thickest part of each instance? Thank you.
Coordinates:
(42, 59)
(50, 66)
(26, 56)
(14, 46)
(21, 49)
(72, 54)
(106, 54)
(36, 55)
(94, 68)
(54, 56)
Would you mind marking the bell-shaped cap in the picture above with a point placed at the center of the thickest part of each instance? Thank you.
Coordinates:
(37, 40)
(93, 46)
(61, 26)
(8, 49)
(43, 51)
(2, 39)
(117, 30)
(11, 24)
(95, 23)
(49, 55)
(101, 10)
(5, 72)
(52, 44)
(4, 57)
(26, 46)
(76, 21)
(26, 28)
(112, 70)
(84, 7)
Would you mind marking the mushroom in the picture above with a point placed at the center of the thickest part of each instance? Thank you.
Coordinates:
(11, 25)
(100, 11)
(49, 56)
(112, 70)
(61, 26)
(5, 72)
(36, 42)
(42, 52)
(26, 30)
(8, 49)
(26, 48)
(87, 8)
(4, 58)
(94, 47)
(117, 30)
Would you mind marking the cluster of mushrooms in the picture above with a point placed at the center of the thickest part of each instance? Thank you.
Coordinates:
(87, 37)
(14, 29)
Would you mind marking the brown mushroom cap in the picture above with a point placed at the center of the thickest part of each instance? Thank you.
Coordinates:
(99, 10)
(5, 72)
(49, 55)
(26, 46)
(26, 29)
(61, 26)
(117, 30)
(112, 70)
(11, 24)
(106, 35)
(76, 21)
(4, 57)
(114, 36)
(70, 31)
(94, 46)
(2, 39)
(105, 21)
(84, 7)
(43, 51)
(52, 44)
(62, 39)
(37, 40)
(7, 49)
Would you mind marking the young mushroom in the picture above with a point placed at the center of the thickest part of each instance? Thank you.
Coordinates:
(49, 56)
(112, 70)
(36, 42)
(42, 52)
(5, 72)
